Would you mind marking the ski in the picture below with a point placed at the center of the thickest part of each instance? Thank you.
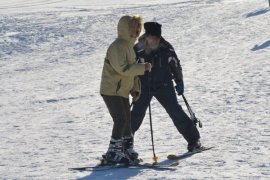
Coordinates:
(117, 166)
(187, 154)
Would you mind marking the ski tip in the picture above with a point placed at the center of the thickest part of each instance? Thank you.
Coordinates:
(171, 156)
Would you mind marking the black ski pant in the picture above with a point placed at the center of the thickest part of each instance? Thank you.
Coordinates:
(167, 98)
(119, 109)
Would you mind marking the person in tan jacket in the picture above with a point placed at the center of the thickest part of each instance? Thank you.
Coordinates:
(119, 80)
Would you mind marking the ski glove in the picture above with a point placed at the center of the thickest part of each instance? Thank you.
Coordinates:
(180, 87)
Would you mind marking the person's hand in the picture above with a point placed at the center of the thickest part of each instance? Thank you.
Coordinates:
(180, 87)
(135, 96)
(148, 67)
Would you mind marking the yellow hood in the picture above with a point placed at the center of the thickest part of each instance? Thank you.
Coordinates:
(126, 26)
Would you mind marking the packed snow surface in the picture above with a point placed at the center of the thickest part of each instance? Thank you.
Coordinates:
(53, 118)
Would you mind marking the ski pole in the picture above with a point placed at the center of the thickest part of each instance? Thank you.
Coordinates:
(155, 158)
(192, 114)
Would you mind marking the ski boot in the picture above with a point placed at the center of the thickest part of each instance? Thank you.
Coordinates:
(115, 154)
(129, 147)
(193, 146)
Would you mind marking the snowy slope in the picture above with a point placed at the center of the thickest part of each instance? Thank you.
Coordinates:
(52, 116)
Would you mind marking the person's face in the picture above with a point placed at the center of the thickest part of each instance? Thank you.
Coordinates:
(153, 41)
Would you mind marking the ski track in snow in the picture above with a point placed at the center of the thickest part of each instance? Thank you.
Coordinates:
(52, 116)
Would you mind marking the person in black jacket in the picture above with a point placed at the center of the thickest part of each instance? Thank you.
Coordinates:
(154, 49)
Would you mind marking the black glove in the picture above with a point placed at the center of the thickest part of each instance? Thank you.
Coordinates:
(180, 87)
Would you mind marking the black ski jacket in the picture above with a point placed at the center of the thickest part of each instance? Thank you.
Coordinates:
(165, 64)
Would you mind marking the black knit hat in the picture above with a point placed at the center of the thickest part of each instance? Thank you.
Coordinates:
(152, 28)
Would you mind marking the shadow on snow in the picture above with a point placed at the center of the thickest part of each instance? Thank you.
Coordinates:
(125, 173)
(258, 12)
(119, 173)
(264, 45)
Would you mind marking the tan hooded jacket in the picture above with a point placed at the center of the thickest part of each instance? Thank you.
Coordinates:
(120, 70)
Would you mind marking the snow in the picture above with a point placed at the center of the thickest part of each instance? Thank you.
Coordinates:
(53, 118)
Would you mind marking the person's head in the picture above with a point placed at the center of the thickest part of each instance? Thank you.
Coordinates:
(152, 34)
(129, 27)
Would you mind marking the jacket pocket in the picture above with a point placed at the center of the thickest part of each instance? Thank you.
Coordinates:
(118, 86)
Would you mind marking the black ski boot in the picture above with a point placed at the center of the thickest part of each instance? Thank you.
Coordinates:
(129, 147)
(115, 154)
(193, 146)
